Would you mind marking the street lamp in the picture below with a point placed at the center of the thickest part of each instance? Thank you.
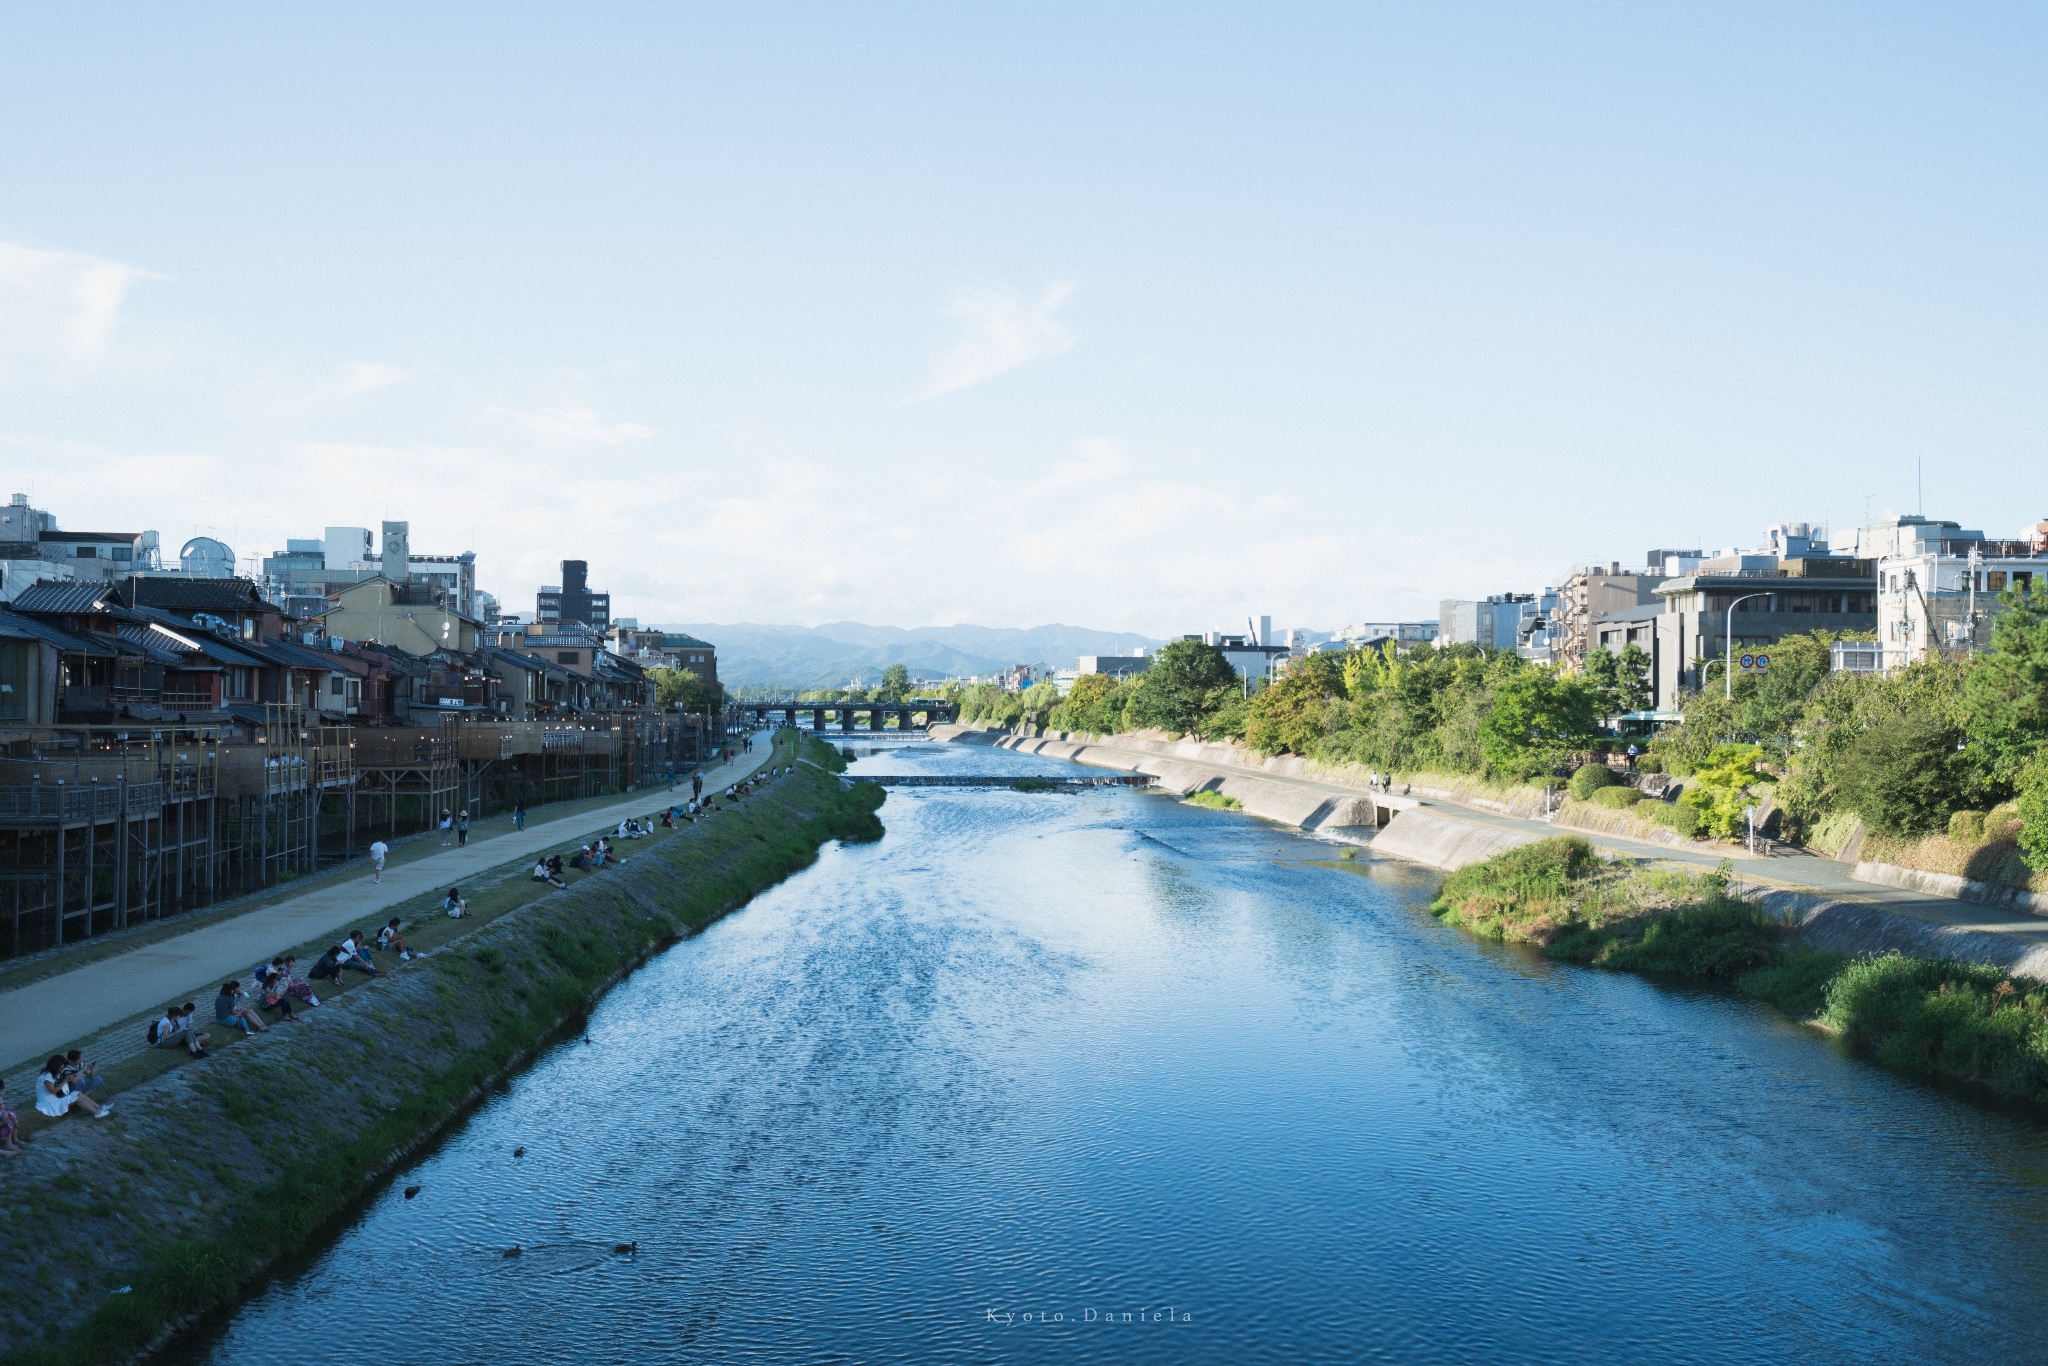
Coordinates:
(1729, 669)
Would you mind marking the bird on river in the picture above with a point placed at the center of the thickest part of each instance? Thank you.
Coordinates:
(626, 1249)
(519, 1152)
(515, 1251)
(411, 1191)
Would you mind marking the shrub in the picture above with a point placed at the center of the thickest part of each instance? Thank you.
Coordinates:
(1215, 801)
(1967, 826)
(1677, 816)
(2033, 813)
(1590, 778)
(1617, 798)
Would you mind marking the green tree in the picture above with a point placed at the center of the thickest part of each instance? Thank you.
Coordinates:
(1536, 719)
(1906, 776)
(1094, 704)
(1603, 675)
(683, 686)
(2005, 697)
(895, 685)
(1632, 677)
(1186, 681)
(1291, 716)
(1722, 786)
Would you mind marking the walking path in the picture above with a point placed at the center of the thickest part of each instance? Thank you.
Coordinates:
(1793, 870)
(58, 1010)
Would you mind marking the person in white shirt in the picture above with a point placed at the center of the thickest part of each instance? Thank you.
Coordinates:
(174, 1031)
(378, 850)
(455, 905)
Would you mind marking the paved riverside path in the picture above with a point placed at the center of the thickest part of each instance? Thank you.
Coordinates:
(52, 1014)
(1793, 870)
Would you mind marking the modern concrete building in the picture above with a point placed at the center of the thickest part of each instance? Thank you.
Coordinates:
(1939, 586)
(406, 617)
(1591, 593)
(1731, 604)
(573, 601)
(1495, 622)
(1116, 666)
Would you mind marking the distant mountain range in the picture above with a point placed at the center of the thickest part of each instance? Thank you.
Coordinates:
(754, 655)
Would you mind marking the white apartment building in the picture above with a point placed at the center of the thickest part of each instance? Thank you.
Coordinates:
(1938, 585)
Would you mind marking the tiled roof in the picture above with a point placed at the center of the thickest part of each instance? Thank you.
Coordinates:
(285, 653)
(21, 627)
(154, 644)
(57, 597)
(198, 595)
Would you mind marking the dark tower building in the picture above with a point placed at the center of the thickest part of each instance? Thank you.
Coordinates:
(573, 600)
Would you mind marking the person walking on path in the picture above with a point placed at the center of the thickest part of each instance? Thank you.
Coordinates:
(696, 785)
(462, 828)
(519, 814)
(379, 850)
(447, 829)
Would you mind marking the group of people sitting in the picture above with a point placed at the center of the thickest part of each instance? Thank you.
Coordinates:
(275, 987)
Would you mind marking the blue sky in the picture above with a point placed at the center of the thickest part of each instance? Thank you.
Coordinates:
(1133, 317)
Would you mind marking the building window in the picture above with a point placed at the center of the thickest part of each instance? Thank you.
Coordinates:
(87, 552)
(2022, 579)
(1994, 581)
(568, 656)
(122, 552)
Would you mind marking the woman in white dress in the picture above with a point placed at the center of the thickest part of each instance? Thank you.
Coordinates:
(54, 1096)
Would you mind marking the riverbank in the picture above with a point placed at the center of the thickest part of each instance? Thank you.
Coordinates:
(122, 1229)
(1951, 1021)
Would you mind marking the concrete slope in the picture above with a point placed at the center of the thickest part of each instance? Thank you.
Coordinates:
(1441, 841)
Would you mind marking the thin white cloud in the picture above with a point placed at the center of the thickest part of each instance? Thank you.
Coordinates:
(367, 377)
(1000, 329)
(352, 380)
(578, 427)
(60, 306)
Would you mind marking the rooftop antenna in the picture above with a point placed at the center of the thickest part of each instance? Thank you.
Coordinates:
(1919, 487)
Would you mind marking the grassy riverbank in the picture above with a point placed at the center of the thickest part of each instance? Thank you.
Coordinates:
(1937, 1019)
(208, 1174)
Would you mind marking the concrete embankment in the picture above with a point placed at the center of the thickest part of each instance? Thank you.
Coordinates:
(1260, 796)
(125, 1227)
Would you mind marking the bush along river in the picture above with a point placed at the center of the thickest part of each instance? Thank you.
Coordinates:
(1103, 1077)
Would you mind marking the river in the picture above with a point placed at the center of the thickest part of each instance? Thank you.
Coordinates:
(1106, 1078)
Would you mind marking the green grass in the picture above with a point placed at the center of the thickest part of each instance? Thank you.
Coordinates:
(1215, 801)
(1956, 1022)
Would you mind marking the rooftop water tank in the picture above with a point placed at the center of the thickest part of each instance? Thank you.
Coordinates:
(205, 558)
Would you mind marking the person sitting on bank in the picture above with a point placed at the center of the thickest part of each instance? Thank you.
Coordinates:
(542, 873)
(56, 1099)
(555, 866)
(275, 998)
(329, 965)
(668, 819)
(456, 907)
(355, 953)
(391, 940)
(230, 1008)
(80, 1075)
(10, 1126)
(298, 989)
(174, 1031)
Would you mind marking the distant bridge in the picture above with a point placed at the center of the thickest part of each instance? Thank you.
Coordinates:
(853, 717)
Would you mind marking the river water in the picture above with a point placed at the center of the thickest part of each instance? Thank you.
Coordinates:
(1106, 1078)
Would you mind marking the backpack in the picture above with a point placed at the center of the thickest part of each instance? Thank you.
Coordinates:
(153, 1027)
